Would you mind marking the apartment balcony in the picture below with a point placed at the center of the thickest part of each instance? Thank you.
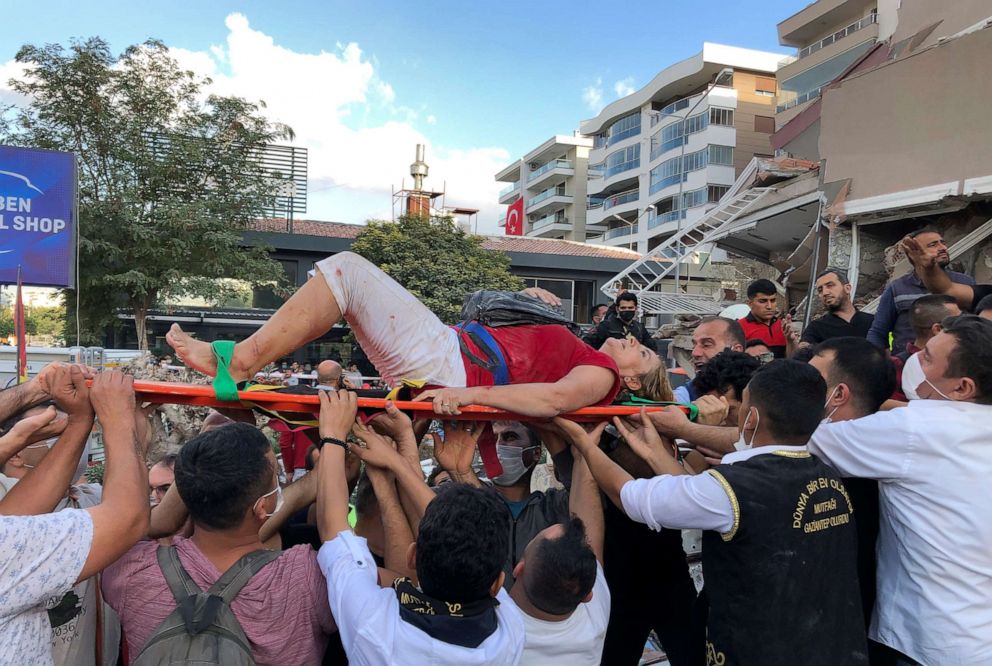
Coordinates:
(807, 26)
(621, 232)
(555, 225)
(552, 173)
(863, 31)
(615, 204)
(509, 194)
(548, 200)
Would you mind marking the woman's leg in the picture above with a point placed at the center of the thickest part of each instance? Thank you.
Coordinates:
(401, 336)
(308, 314)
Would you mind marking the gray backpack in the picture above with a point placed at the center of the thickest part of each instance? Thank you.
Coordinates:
(202, 629)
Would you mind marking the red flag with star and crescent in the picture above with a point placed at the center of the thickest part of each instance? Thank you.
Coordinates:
(515, 218)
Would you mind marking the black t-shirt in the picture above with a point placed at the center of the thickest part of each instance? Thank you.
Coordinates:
(831, 326)
(981, 291)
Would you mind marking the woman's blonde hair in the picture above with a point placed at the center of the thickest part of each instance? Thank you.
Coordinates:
(655, 385)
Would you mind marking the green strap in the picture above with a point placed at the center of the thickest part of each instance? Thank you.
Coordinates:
(225, 388)
(637, 401)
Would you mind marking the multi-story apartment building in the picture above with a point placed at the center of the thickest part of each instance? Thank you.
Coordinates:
(666, 153)
(552, 181)
(829, 35)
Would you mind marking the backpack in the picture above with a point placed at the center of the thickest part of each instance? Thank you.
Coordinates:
(203, 628)
(505, 308)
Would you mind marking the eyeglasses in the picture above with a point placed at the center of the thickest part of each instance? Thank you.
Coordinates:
(162, 489)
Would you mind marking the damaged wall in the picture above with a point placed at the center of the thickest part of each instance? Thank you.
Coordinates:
(912, 122)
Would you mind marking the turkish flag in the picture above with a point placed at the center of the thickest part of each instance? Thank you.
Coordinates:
(515, 218)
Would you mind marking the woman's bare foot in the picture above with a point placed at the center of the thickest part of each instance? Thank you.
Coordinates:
(194, 353)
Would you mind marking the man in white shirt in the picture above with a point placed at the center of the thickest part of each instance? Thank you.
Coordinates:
(460, 613)
(43, 556)
(933, 460)
(560, 585)
(778, 542)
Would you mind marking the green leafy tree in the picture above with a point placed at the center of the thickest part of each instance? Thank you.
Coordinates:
(168, 176)
(435, 260)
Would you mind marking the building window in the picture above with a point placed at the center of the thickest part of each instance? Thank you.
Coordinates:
(715, 192)
(763, 86)
(624, 159)
(624, 128)
(764, 124)
(721, 155)
(563, 289)
(720, 116)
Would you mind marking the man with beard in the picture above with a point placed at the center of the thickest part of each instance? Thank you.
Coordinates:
(893, 314)
(842, 319)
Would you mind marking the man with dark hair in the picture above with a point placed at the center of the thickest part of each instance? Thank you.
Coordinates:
(725, 377)
(460, 613)
(597, 313)
(842, 318)
(984, 307)
(934, 459)
(161, 476)
(227, 480)
(778, 540)
(763, 322)
(759, 350)
(518, 448)
(561, 587)
(620, 322)
(927, 315)
(860, 377)
(710, 337)
(893, 313)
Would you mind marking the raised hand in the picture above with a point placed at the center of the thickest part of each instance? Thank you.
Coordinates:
(392, 423)
(712, 410)
(37, 428)
(456, 451)
(581, 439)
(112, 397)
(337, 413)
(378, 450)
(67, 387)
(645, 441)
(916, 253)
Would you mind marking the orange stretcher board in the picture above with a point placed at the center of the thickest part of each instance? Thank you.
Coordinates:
(203, 395)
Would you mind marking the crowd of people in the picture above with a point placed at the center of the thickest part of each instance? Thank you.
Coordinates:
(836, 478)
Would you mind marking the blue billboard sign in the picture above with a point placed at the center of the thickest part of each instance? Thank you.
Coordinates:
(38, 216)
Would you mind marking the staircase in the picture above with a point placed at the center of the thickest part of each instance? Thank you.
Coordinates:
(648, 271)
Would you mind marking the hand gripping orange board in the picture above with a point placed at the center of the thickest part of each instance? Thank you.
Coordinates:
(203, 395)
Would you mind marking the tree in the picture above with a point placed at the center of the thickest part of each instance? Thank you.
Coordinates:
(435, 260)
(168, 176)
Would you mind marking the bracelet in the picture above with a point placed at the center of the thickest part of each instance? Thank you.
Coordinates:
(334, 440)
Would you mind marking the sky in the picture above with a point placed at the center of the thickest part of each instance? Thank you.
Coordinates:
(361, 83)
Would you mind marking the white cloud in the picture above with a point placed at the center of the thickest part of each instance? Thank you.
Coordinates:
(592, 96)
(432, 119)
(360, 138)
(624, 87)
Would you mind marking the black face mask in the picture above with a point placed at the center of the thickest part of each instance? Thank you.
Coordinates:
(626, 316)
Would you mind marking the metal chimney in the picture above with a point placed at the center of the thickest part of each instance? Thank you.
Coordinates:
(419, 169)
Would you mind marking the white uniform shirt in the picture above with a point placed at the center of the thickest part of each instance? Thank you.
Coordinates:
(40, 559)
(368, 616)
(577, 640)
(933, 461)
(685, 501)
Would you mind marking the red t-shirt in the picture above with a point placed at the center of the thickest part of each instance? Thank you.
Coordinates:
(540, 354)
(771, 333)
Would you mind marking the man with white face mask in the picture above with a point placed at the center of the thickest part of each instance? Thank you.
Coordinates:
(778, 540)
(228, 482)
(934, 461)
(860, 378)
(518, 449)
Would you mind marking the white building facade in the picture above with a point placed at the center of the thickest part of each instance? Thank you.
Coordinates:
(552, 180)
(665, 154)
